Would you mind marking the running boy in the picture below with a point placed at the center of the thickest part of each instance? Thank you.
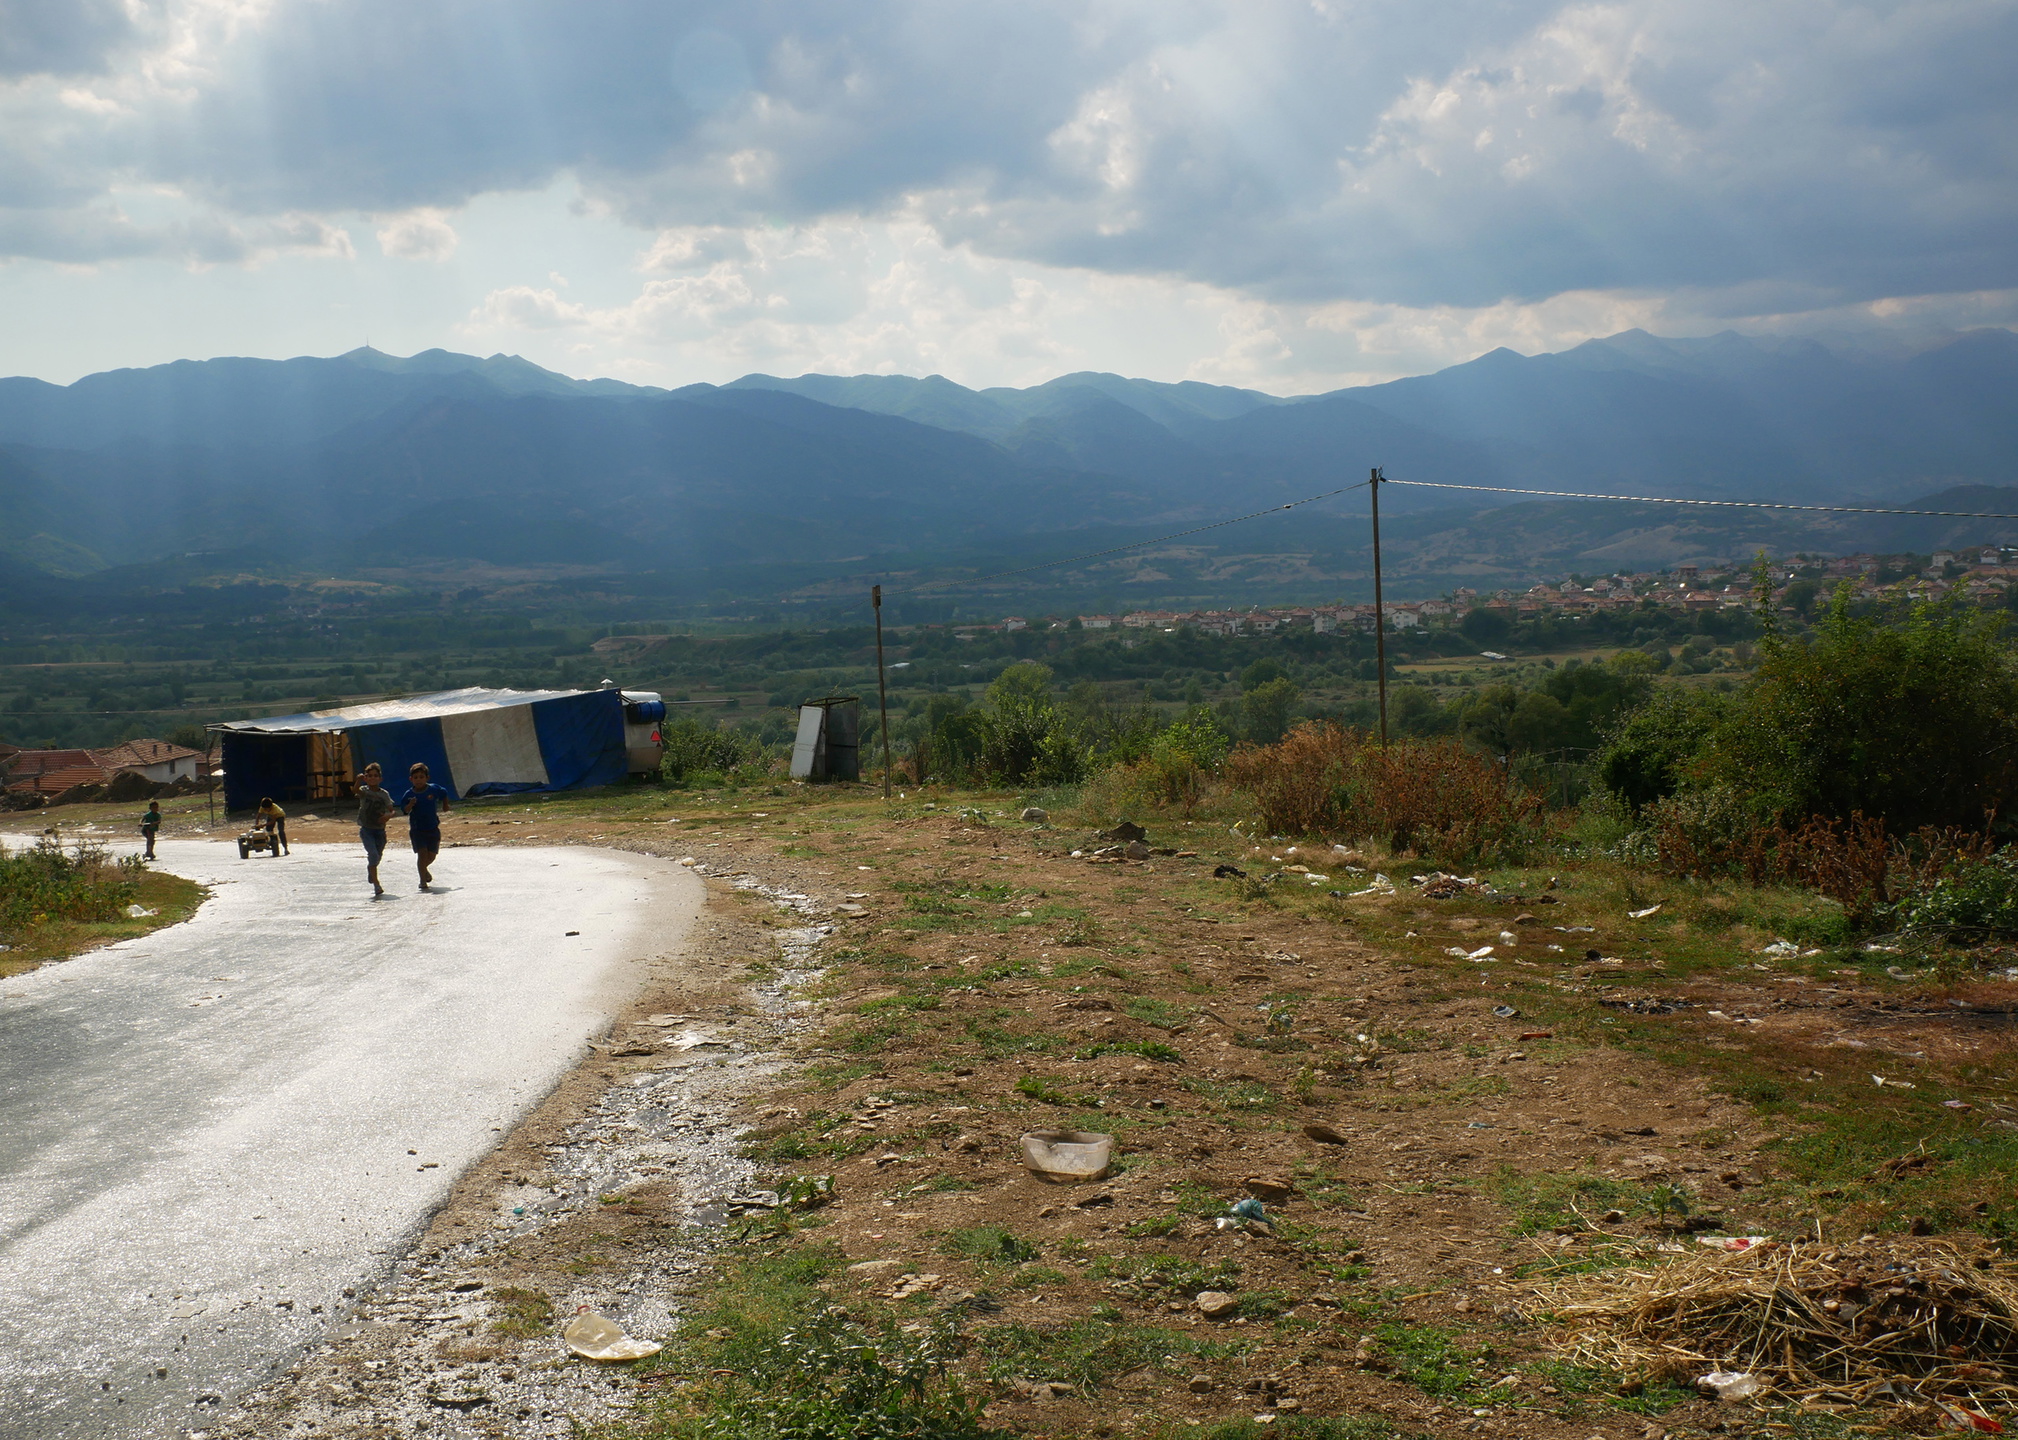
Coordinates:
(374, 808)
(422, 824)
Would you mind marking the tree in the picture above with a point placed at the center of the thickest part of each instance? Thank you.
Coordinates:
(1485, 626)
(1268, 709)
(1659, 748)
(1914, 721)
(1260, 673)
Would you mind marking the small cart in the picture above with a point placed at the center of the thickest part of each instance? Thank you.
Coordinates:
(259, 837)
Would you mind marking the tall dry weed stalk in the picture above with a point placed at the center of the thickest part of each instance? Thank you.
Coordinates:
(1431, 796)
(1856, 862)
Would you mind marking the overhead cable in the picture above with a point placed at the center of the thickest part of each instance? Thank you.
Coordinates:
(1137, 545)
(1728, 504)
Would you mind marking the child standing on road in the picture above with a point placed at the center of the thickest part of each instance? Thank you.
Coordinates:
(423, 825)
(149, 823)
(374, 808)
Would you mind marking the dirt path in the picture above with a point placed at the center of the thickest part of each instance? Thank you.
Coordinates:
(1429, 1136)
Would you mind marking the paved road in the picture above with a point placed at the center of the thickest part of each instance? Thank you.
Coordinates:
(205, 1134)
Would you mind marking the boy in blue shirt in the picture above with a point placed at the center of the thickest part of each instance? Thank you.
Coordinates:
(423, 825)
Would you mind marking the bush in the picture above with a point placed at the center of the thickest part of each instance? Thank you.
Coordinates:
(694, 751)
(1913, 721)
(1433, 796)
(1979, 894)
(831, 1378)
(47, 882)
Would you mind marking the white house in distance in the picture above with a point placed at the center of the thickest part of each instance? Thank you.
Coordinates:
(158, 760)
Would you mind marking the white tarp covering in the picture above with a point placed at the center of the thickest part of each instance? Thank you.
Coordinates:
(493, 747)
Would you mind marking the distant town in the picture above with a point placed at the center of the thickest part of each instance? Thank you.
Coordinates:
(1980, 575)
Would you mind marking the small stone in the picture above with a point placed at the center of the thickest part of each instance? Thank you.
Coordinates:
(1034, 815)
(1269, 1189)
(1214, 1303)
(1135, 850)
(1203, 1385)
(1326, 1134)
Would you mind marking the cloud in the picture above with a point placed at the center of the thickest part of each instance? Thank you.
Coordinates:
(1767, 155)
(418, 235)
(61, 37)
(520, 307)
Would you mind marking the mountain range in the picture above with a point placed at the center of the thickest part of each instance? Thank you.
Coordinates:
(366, 462)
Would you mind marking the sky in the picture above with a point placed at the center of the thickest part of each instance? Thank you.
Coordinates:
(1291, 195)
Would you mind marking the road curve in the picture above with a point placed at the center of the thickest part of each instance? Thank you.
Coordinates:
(207, 1134)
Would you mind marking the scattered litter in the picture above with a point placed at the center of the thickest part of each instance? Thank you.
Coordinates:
(1221, 872)
(1034, 815)
(1734, 1244)
(592, 1337)
(1067, 1155)
(697, 1040)
(1249, 1209)
(1643, 914)
(1962, 1105)
(1439, 886)
(1882, 1082)
(1537, 1035)
(1507, 937)
(139, 912)
(1730, 1384)
(1781, 947)
(1381, 886)
(1505, 1012)
(1955, 1417)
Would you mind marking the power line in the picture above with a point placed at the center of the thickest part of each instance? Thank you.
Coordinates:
(1729, 504)
(1118, 549)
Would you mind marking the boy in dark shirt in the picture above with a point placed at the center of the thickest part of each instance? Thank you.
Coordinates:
(149, 823)
(374, 808)
(422, 824)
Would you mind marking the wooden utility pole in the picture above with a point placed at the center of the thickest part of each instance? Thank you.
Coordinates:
(1379, 617)
(882, 687)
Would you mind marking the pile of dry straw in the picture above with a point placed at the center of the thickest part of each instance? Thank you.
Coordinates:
(1822, 1324)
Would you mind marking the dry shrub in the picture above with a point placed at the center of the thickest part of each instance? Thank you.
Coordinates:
(1303, 783)
(1818, 1322)
(1432, 796)
(1855, 862)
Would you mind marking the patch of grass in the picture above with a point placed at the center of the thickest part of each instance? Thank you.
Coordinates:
(1087, 1352)
(523, 1314)
(1037, 1277)
(1073, 966)
(1433, 1360)
(1147, 1049)
(1164, 1271)
(1609, 1388)
(1152, 1010)
(1044, 1089)
(1543, 1201)
(997, 1042)
(991, 1244)
(1231, 1094)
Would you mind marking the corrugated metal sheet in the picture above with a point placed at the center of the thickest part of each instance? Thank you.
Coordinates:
(415, 707)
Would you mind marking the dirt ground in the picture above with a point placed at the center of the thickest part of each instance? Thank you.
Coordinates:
(913, 990)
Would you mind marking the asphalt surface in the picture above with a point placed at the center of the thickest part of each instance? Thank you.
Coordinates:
(207, 1134)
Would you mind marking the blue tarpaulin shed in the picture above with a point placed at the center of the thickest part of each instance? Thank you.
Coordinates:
(474, 742)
